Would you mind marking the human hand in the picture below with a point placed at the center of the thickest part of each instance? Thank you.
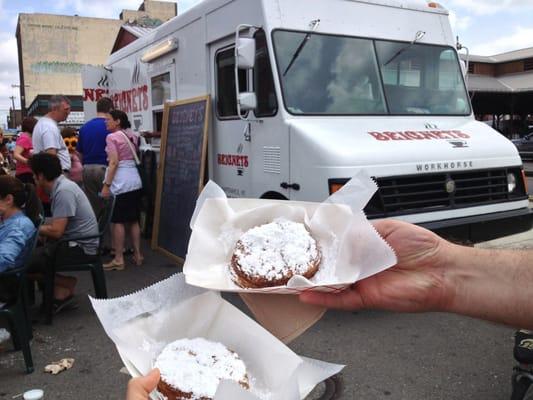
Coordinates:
(416, 283)
(141, 387)
(106, 192)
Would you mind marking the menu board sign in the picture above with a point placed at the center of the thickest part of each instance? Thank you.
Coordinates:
(181, 173)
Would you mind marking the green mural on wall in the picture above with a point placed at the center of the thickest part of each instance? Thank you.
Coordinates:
(57, 67)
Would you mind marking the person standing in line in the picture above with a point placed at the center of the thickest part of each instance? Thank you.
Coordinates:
(91, 147)
(123, 181)
(46, 135)
(23, 150)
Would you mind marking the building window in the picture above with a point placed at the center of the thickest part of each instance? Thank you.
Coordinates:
(267, 103)
(226, 95)
(528, 64)
(470, 67)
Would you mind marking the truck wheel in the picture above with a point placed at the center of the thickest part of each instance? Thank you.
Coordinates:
(273, 196)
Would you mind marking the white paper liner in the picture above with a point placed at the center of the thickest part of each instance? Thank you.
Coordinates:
(142, 323)
(351, 248)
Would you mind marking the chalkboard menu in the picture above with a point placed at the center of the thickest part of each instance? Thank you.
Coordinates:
(181, 173)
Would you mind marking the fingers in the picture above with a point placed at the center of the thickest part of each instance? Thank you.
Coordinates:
(140, 388)
(349, 299)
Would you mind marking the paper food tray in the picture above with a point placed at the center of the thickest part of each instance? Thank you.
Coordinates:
(142, 323)
(350, 246)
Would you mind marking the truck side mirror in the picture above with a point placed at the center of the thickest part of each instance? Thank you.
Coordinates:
(247, 101)
(245, 53)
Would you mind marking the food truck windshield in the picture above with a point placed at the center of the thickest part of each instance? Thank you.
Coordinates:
(324, 74)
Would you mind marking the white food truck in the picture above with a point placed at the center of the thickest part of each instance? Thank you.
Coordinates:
(305, 93)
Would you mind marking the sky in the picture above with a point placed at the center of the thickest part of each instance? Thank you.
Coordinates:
(486, 27)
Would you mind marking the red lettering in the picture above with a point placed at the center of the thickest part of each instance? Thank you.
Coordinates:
(461, 135)
(245, 161)
(88, 94)
(128, 97)
(440, 134)
(414, 135)
(378, 136)
(393, 135)
(134, 100)
(428, 135)
(403, 134)
(99, 94)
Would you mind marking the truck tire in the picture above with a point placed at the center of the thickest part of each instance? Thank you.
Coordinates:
(273, 196)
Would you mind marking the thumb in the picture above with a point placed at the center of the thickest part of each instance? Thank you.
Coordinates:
(150, 381)
(141, 387)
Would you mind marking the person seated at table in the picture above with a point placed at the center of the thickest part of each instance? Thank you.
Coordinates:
(72, 216)
(16, 227)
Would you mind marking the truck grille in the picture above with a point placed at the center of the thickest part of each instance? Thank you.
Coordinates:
(432, 192)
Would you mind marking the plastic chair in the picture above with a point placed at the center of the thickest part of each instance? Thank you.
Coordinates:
(93, 263)
(17, 313)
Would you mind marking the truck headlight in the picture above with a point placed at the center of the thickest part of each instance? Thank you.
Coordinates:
(511, 182)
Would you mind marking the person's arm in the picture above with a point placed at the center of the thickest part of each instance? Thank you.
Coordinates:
(55, 229)
(79, 145)
(10, 247)
(141, 387)
(17, 154)
(50, 139)
(110, 175)
(435, 275)
(495, 285)
(63, 207)
(112, 158)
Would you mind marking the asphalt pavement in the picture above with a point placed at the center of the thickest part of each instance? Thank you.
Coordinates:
(387, 355)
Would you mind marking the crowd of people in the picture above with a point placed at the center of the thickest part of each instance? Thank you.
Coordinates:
(66, 178)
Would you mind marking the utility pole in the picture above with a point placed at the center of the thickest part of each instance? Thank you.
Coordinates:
(13, 113)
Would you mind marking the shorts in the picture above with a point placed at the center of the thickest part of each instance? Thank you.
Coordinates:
(127, 207)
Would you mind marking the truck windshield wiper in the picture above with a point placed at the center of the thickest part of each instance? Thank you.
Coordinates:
(314, 25)
(419, 35)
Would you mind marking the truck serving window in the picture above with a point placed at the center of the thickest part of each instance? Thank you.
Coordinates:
(226, 98)
(160, 89)
(267, 103)
(339, 75)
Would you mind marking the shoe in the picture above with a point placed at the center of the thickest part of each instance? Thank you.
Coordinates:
(113, 265)
(67, 304)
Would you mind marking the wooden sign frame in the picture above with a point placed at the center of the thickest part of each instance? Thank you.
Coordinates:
(161, 167)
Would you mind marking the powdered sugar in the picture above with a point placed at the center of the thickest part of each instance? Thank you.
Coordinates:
(197, 365)
(276, 249)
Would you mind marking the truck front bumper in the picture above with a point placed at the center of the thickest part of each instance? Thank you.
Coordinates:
(485, 227)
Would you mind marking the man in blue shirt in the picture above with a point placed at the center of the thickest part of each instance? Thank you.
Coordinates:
(91, 146)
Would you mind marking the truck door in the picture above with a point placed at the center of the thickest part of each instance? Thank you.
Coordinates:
(268, 132)
(230, 149)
